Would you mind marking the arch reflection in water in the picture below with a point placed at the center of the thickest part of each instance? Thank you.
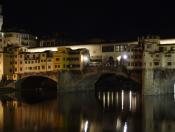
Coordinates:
(124, 100)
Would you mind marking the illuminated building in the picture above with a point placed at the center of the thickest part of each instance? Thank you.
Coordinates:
(15, 61)
(67, 59)
(147, 52)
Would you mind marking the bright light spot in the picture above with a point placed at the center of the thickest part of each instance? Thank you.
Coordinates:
(36, 37)
(122, 99)
(125, 56)
(85, 58)
(86, 126)
(119, 58)
(130, 98)
(125, 127)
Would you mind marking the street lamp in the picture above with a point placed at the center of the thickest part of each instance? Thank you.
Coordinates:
(125, 57)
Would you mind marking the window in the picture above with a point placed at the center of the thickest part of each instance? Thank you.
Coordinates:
(20, 62)
(168, 55)
(49, 67)
(38, 67)
(43, 67)
(57, 59)
(20, 68)
(20, 56)
(156, 63)
(108, 48)
(169, 63)
(55, 66)
(157, 55)
(43, 55)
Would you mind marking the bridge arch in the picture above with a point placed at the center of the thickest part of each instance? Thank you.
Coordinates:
(36, 83)
(86, 81)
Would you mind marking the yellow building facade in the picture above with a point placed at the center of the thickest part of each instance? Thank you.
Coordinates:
(15, 61)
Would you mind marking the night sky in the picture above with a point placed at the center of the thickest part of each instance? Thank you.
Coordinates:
(91, 19)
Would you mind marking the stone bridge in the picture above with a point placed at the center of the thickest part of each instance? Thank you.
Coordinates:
(85, 81)
(153, 81)
(69, 81)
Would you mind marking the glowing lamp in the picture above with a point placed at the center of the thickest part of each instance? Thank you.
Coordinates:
(125, 57)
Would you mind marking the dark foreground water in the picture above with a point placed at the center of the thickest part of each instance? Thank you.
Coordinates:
(87, 112)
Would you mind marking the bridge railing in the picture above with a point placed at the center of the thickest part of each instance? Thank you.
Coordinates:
(106, 69)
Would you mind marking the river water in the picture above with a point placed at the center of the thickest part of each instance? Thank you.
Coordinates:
(89, 112)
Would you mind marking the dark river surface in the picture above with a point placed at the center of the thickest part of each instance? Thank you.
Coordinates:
(89, 112)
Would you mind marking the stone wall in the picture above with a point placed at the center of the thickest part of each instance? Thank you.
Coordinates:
(158, 81)
(74, 82)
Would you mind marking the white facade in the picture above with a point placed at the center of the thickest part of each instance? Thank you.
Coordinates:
(17, 39)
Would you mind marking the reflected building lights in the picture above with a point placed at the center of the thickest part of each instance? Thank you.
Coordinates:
(1, 115)
(117, 98)
(125, 127)
(108, 100)
(104, 99)
(86, 126)
(130, 99)
(118, 124)
(112, 97)
(122, 99)
(134, 103)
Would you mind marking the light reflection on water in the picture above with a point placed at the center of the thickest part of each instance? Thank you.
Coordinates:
(124, 99)
(124, 111)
